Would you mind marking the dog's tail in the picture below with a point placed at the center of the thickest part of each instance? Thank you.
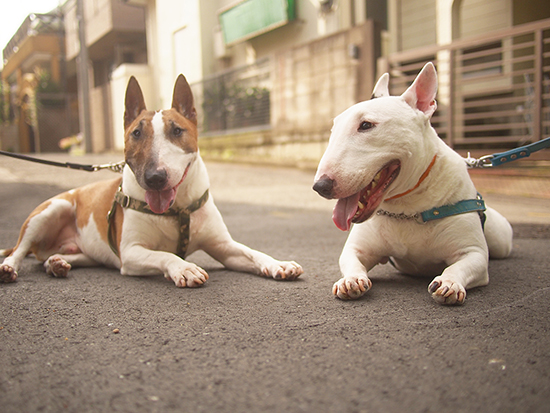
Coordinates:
(6, 252)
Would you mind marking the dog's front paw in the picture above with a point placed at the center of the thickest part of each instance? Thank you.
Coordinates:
(351, 288)
(57, 266)
(7, 273)
(190, 275)
(283, 270)
(447, 291)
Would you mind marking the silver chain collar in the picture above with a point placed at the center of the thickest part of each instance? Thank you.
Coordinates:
(400, 216)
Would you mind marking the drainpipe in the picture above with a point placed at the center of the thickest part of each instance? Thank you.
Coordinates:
(83, 79)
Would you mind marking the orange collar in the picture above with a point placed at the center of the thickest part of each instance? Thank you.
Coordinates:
(422, 178)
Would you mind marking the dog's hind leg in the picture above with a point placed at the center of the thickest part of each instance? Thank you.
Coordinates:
(499, 235)
(10, 266)
(42, 233)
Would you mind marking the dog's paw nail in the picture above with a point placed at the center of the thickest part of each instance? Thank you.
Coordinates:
(449, 292)
(434, 286)
(365, 285)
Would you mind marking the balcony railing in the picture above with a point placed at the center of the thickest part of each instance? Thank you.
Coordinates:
(494, 90)
(34, 24)
(235, 100)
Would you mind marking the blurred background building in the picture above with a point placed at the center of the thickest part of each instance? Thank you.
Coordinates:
(270, 75)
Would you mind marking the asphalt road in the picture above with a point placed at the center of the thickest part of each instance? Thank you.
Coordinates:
(242, 343)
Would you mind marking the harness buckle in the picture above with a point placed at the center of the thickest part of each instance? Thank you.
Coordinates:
(125, 201)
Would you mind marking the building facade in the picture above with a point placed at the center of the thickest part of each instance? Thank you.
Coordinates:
(302, 70)
(114, 36)
(270, 75)
(35, 91)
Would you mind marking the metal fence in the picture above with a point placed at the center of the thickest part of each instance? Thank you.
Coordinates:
(494, 90)
(235, 100)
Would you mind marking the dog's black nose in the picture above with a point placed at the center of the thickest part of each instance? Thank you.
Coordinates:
(156, 178)
(324, 187)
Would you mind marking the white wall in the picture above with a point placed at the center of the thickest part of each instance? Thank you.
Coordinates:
(119, 82)
(174, 26)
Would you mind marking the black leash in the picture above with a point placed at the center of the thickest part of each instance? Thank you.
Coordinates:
(114, 167)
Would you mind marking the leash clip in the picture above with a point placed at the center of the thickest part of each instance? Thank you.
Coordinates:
(483, 162)
(117, 167)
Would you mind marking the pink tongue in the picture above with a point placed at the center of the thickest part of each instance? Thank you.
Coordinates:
(344, 211)
(160, 201)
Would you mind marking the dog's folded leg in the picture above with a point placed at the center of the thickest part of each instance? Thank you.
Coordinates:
(499, 234)
(468, 272)
(137, 260)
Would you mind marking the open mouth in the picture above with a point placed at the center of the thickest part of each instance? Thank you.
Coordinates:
(360, 206)
(161, 201)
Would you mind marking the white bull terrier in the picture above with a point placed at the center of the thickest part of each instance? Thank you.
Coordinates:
(409, 195)
(148, 222)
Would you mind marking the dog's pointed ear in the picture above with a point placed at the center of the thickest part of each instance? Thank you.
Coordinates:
(381, 89)
(182, 100)
(134, 102)
(421, 94)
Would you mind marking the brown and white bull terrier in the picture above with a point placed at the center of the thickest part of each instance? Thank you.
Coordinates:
(408, 194)
(159, 212)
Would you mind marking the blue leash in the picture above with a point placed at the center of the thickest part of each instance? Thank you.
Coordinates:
(498, 159)
(518, 153)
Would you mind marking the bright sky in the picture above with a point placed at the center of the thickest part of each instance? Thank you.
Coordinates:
(14, 12)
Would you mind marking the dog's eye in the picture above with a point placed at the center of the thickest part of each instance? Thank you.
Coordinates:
(177, 131)
(136, 133)
(366, 126)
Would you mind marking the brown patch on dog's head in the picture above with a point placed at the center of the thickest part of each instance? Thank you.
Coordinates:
(138, 130)
(180, 130)
(181, 120)
(138, 141)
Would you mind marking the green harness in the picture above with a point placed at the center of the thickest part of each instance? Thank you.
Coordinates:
(183, 214)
